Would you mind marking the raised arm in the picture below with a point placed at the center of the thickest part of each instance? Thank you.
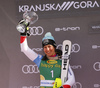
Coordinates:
(26, 50)
(22, 27)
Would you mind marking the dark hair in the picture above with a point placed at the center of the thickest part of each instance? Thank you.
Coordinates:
(48, 41)
(45, 58)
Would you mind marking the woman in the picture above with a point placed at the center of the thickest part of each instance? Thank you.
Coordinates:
(50, 64)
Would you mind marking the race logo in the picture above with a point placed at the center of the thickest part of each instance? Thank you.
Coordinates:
(59, 6)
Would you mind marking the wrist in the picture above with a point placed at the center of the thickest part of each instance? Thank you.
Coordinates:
(25, 33)
(66, 86)
(22, 39)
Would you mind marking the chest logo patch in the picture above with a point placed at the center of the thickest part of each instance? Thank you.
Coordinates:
(51, 61)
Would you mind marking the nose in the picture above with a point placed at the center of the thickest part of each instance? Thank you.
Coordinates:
(47, 48)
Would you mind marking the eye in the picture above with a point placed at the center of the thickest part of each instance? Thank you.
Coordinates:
(44, 47)
(49, 46)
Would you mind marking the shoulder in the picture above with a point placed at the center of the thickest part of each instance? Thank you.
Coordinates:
(37, 61)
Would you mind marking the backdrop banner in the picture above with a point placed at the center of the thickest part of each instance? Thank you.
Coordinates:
(75, 20)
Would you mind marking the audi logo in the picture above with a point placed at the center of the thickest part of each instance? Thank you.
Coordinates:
(36, 30)
(30, 69)
(75, 47)
(77, 85)
(96, 66)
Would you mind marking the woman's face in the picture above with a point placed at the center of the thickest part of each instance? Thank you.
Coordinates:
(49, 50)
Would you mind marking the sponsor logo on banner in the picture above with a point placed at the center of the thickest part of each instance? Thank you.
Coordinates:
(52, 62)
(31, 87)
(94, 27)
(96, 85)
(36, 30)
(76, 67)
(37, 49)
(96, 66)
(75, 48)
(64, 6)
(95, 46)
(30, 69)
(67, 29)
(77, 85)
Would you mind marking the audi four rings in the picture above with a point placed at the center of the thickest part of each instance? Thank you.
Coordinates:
(75, 47)
(30, 69)
(36, 30)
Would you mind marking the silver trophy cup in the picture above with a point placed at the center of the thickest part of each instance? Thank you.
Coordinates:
(29, 18)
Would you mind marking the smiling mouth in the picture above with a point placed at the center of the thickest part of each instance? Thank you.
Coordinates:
(48, 52)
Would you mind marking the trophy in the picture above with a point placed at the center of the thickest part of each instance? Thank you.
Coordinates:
(29, 18)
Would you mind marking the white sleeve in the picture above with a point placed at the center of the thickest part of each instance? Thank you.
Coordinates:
(26, 50)
(71, 77)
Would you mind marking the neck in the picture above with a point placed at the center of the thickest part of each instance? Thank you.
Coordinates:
(53, 55)
(52, 58)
